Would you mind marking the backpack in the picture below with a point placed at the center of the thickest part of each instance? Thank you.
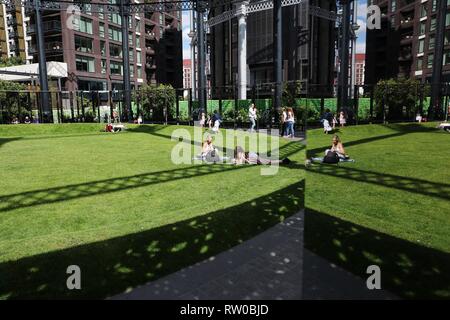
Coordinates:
(331, 157)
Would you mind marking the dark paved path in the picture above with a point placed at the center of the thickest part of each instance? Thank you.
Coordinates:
(272, 265)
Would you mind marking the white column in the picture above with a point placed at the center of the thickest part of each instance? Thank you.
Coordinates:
(242, 49)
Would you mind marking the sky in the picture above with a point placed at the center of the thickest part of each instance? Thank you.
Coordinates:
(361, 33)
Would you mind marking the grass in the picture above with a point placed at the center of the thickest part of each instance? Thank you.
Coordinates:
(391, 207)
(117, 206)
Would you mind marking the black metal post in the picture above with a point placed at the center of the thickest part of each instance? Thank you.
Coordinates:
(125, 16)
(43, 81)
(435, 106)
(344, 55)
(277, 58)
(356, 103)
(201, 54)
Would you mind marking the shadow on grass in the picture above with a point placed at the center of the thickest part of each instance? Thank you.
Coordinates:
(6, 140)
(63, 193)
(407, 269)
(423, 187)
(400, 130)
(110, 267)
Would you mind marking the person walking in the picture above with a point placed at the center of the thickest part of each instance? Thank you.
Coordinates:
(290, 120)
(283, 121)
(342, 119)
(252, 117)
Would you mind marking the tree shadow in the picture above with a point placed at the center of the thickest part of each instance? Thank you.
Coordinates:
(400, 130)
(423, 187)
(112, 266)
(6, 140)
(407, 269)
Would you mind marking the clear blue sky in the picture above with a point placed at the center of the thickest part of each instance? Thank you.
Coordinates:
(361, 42)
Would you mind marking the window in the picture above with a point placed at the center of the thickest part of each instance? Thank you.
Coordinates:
(83, 44)
(161, 18)
(433, 24)
(103, 48)
(419, 63)
(85, 64)
(115, 34)
(101, 30)
(131, 70)
(422, 28)
(104, 66)
(101, 14)
(131, 55)
(130, 39)
(84, 25)
(446, 59)
(434, 5)
(431, 43)
(393, 5)
(115, 51)
(447, 19)
(423, 10)
(139, 72)
(138, 41)
(116, 68)
(420, 46)
(430, 61)
(138, 57)
(138, 26)
(447, 37)
(114, 18)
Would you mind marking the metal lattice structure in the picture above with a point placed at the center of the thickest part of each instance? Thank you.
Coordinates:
(85, 6)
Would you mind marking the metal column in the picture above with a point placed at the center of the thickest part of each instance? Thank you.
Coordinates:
(242, 49)
(277, 55)
(435, 106)
(201, 54)
(43, 81)
(125, 16)
(344, 55)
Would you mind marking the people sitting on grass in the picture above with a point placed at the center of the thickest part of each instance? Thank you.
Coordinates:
(242, 157)
(114, 128)
(445, 126)
(335, 154)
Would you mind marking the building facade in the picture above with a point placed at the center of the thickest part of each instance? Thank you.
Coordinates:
(308, 56)
(13, 33)
(187, 73)
(91, 45)
(404, 46)
(360, 63)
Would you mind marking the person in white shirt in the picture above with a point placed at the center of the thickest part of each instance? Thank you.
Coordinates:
(283, 121)
(290, 120)
(252, 116)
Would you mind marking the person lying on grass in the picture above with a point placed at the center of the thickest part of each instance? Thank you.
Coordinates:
(242, 157)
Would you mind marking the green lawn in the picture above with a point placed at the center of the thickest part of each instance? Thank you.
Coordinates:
(391, 207)
(116, 205)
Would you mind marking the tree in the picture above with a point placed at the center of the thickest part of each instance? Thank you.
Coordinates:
(13, 101)
(397, 99)
(11, 61)
(158, 102)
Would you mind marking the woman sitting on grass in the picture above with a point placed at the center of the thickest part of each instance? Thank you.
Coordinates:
(337, 147)
(242, 157)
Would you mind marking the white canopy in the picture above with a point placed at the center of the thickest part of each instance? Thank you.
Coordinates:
(31, 71)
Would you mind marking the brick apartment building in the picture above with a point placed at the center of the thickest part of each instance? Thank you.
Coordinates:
(92, 48)
(405, 44)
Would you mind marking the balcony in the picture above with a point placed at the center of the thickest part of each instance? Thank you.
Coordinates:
(405, 56)
(406, 39)
(48, 26)
(150, 51)
(150, 35)
(49, 46)
(150, 65)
